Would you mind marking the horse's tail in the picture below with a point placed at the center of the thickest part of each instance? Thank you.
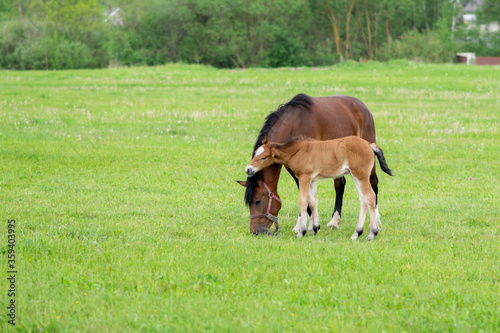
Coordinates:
(381, 159)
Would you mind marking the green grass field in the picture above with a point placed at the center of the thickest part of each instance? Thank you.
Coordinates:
(122, 183)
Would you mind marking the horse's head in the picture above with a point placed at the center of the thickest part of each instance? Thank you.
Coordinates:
(262, 200)
(264, 156)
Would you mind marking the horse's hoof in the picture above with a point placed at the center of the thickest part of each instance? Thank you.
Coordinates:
(334, 222)
(332, 225)
(316, 229)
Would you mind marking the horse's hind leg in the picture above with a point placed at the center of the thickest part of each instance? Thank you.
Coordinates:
(314, 225)
(337, 211)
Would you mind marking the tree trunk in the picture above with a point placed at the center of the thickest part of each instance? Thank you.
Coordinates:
(336, 34)
(389, 39)
(347, 32)
(359, 14)
(368, 27)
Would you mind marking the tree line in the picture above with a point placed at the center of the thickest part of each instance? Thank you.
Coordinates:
(52, 34)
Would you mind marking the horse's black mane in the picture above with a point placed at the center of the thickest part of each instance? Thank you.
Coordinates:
(301, 101)
(291, 140)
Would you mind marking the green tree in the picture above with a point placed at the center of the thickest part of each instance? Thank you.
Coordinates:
(489, 11)
(6, 10)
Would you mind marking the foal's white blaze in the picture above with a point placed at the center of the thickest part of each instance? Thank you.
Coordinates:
(259, 151)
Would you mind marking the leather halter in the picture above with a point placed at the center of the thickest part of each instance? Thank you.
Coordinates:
(268, 214)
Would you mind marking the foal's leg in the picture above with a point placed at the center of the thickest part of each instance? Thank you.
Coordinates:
(301, 227)
(371, 199)
(314, 225)
(358, 231)
(367, 200)
(374, 184)
(337, 211)
(297, 182)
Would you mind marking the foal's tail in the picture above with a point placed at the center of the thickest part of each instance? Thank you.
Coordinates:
(381, 159)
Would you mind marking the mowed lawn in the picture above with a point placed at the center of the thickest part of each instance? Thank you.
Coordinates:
(122, 183)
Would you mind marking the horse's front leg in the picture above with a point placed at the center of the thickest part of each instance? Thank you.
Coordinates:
(314, 225)
(337, 211)
(304, 184)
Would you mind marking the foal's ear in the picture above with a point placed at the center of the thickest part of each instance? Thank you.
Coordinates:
(242, 183)
(265, 140)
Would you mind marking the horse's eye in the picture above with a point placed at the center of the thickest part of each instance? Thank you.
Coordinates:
(264, 158)
(257, 202)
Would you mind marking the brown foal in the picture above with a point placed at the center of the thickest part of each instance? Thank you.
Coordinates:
(313, 160)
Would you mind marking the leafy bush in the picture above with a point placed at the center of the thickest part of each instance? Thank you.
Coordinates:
(70, 55)
(421, 47)
(30, 55)
(226, 33)
(37, 45)
(22, 45)
(486, 44)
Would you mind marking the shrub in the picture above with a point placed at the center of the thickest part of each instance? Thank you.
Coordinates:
(485, 44)
(428, 46)
(71, 55)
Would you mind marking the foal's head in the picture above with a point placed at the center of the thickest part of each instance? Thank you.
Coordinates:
(264, 156)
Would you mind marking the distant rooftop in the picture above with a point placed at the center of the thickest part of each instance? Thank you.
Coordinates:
(473, 6)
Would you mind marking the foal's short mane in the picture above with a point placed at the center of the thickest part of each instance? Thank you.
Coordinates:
(301, 101)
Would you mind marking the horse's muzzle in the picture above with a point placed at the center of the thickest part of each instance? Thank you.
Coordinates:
(261, 230)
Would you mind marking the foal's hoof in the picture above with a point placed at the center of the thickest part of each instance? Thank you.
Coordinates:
(356, 234)
(314, 229)
(372, 235)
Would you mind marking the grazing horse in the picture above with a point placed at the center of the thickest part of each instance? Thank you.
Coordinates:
(313, 160)
(319, 118)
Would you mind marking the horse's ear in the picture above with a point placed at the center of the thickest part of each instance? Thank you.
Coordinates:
(265, 140)
(242, 183)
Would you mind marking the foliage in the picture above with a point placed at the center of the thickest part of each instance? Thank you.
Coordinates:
(29, 44)
(489, 11)
(421, 47)
(222, 33)
(484, 44)
(122, 184)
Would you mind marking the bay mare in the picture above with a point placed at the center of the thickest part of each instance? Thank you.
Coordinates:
(313, 160)
(319, 118)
